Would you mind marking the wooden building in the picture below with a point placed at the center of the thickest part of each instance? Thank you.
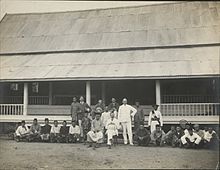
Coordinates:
(167, 54)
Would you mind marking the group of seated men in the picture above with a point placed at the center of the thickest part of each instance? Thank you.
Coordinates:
(95, 133)
(48, 133)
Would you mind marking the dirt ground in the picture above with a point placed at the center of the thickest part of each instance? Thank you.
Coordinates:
(22, 155)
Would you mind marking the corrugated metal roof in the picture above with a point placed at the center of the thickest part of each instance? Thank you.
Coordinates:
(166, 24)
(113, 64)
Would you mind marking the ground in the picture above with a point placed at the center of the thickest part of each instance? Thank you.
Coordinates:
(14, 155)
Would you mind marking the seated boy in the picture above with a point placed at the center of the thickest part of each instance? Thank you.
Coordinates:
(169, 137)
(157, 136)
(86, 125)
(74, 132)
(22, 133)
(64, 131)
(45, 131)
(190, 139)
(211, 140)
(176, 142)
(55, 132)
(142, 135)
(199, 132)
(35, 131)
(112, 126)
(95, 135)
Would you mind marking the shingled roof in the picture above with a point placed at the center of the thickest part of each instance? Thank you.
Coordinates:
(155, 41)
(183, 23)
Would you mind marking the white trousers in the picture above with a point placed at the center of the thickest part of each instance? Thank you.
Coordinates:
(126, 127)
(153, 125)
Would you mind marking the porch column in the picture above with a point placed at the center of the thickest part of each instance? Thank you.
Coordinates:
(25, 98)
(158, 97)
(50, 93)
(103, 92)
(88, 93)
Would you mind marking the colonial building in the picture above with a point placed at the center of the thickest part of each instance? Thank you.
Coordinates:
(167, 54)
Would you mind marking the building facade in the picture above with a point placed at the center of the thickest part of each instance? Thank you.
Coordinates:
(167, 54)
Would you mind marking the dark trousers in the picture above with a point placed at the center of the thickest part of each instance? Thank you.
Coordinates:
(24, 137)
(144, 142)
(54, 137)
(63, 138)
(190, 145)
(73, 138)
(35, 137)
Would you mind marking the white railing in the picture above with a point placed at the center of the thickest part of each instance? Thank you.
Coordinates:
(190, 109)
(11, 109)
(189, 99)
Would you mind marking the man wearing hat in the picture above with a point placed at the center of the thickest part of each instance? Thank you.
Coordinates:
(22, 132)
(95, 135)
(155, 118)
(45, 131)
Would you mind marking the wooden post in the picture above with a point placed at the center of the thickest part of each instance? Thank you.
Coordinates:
(88, 92)
(158, 95)
(103, 92)
(25, 98)
(50, 93)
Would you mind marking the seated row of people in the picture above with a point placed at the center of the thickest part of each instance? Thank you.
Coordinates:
(95, 133)
(54, 133)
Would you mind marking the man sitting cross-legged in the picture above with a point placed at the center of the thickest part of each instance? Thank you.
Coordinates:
(142, 135)
(55, 132)
(190, 139)
(64, 131)
(74, 132)
(176, 142)
(170, 135)
(35, 131)
(45, 131)
(157, 136)
(22, 133)
(211, 140)
(95, 135)
(112, 126)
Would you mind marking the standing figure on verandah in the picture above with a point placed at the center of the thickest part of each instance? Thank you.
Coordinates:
(139, 116)
(83, 108)
(155, 118)
(125, 114)
(74, 109)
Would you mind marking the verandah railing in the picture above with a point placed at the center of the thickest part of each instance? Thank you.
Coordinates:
(171, 109)
(11, 109)
(189, 98)
(190, 109)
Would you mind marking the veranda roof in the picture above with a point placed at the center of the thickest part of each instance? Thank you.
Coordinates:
(155, 63)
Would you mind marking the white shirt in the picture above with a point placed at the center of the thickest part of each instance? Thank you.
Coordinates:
(158, 114)
(74, 130)
(208, 136)
(21, 130)
(111, 122)
(55, 129)
(105, 116)
(125, 112)
(194, 138)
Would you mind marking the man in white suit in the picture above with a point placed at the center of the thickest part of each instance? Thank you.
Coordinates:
(125, 114)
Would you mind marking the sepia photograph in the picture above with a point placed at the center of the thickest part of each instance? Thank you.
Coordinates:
(109, 84)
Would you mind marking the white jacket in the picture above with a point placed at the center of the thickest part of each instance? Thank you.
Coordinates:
(194, 138)
(125, 112)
